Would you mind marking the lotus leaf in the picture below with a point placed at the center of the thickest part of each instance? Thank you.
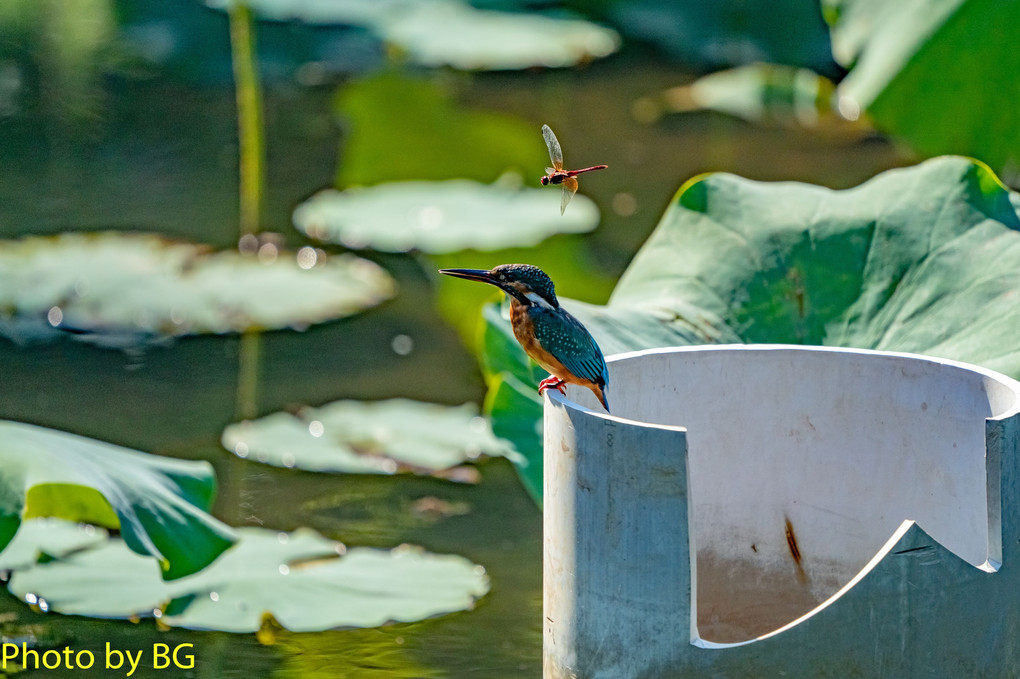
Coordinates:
(130, 288)
(157, 503)
(48, 538)
(514, 405)
(453, 33)
(368, 438)
(441, 217)
(304, 581)
(922, 259)
(759, 93)
(728, 32)
(942, 75)
(322, 12)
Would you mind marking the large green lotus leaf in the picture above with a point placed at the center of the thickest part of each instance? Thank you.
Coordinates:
(921, 259)
(356, 437)
(943, 75)
(513, 406)
(157, 503)
(134, 287)
(46, 539)
(453, 33)
(301, 580)
(441, 217)
(404, 127)
(512, 399)
(727, 32)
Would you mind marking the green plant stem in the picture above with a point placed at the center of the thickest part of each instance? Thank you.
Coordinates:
(249, 116)
(250, 353)
(252, 179)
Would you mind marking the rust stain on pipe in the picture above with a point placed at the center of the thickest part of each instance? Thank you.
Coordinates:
(791, 541)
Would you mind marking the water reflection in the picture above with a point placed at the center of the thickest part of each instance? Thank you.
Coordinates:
(65, 50)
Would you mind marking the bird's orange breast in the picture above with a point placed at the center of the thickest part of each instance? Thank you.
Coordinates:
(524, 331)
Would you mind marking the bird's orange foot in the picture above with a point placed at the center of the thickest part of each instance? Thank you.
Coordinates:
(552, 383)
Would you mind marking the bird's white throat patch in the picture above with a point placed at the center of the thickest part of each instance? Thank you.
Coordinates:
(538, 300)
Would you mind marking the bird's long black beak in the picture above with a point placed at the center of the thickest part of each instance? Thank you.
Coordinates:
(471, 275)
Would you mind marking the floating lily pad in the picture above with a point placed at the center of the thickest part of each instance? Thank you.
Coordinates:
(304, 581)
(922, 259)
(118, 287)
(322, 12)
(940, 75)
(157, 503)
(441, 217)
(759, 93)
(453, 33)
(368, 438)
(48, 538)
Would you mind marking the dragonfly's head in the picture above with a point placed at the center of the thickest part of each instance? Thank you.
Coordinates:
(545, 181)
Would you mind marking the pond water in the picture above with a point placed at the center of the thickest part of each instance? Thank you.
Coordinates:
(160, 155)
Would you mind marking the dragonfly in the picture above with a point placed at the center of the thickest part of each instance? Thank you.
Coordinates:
(556, 174)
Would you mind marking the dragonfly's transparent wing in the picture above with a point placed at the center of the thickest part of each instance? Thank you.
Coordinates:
(555, 152)
(569, 189)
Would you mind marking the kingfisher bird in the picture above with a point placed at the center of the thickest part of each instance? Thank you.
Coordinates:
(555, 339)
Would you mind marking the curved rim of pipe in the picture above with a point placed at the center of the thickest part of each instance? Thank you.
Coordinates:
(989, 374)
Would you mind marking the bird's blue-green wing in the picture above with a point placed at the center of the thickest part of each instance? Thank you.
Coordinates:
(570, 343)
